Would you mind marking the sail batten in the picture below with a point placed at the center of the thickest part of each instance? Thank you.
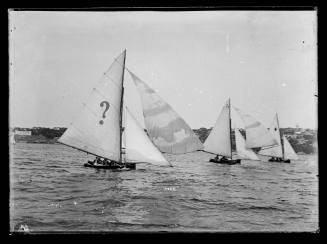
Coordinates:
(166, 129)
(97, 128)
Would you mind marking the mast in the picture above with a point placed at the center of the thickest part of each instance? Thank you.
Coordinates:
(121, 111)
(280, 135)
(230, 130)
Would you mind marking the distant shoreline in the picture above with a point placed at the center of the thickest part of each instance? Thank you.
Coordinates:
(302, 140)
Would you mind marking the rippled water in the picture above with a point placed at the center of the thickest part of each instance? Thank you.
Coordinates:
(50, 190)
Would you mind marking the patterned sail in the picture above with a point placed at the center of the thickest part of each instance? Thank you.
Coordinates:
(167, 130)
(256, 134)
(289, 152)
(218, 141)
(139, 147)
(275, 132)
(97, 129)
(242, 151)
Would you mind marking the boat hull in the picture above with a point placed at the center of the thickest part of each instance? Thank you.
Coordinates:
(126, 165)
(229, 162)
(280, 161)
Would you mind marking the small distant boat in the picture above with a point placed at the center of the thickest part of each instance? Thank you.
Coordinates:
(283, 152)
(99, 128)
(219, 141)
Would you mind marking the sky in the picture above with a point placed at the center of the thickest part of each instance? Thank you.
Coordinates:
(264, 61)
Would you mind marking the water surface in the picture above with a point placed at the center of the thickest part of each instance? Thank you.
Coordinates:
(50, 190)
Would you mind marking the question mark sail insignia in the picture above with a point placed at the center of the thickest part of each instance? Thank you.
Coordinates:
(104, 112)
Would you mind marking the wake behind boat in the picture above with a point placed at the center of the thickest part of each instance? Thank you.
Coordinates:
(98, 130)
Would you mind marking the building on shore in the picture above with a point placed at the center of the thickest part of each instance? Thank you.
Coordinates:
(23, 132)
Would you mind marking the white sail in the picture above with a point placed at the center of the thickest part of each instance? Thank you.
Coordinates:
(256, 134)
(97, 129)
(241, 150)
(139, 148)
(12, 138)
(167, 130)
(289, 152)
(275, 132)
(218, 141)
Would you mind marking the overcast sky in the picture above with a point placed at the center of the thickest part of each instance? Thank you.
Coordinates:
(265, 61)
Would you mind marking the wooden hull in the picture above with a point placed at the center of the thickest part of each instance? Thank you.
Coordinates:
(127, 165)
(280, 161)
(228, 161)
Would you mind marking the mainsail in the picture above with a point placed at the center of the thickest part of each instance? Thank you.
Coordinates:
(167, 130)
(256, 134)
(289, 152)
(139, 148)
(276, 151)
(241, 150)
(97, 130)
(219, 139)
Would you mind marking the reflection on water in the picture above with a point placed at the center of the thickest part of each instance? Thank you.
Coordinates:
(52, 191)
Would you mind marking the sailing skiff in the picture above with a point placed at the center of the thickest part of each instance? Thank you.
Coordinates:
(98, 129)
(219, 141)
(283, 152)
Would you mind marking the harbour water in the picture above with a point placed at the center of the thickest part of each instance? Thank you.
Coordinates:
(50, 190)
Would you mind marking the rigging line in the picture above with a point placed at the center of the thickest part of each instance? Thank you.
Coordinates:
(87, 143)
(96, 149)
(78, 149)
(202, 150)
(79, 141)
(83, 133)
(84, 150)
